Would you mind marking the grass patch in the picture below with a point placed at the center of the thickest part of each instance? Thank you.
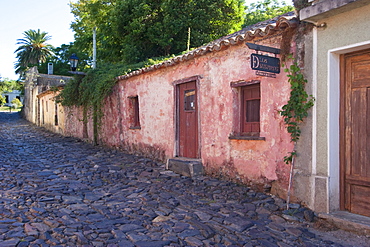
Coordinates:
(6, 109)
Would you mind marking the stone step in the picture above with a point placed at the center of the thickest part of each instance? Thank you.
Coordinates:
(185, 166)
(349, 222)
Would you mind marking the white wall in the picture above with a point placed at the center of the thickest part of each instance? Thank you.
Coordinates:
(12, 95)
(343, 33)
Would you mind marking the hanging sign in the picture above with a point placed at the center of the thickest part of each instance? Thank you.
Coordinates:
(265, 63)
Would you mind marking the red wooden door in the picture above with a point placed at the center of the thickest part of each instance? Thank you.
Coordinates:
(188, 120)
(355, 146)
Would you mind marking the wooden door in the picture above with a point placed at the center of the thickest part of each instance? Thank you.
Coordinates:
(188, 120)
(355, 133)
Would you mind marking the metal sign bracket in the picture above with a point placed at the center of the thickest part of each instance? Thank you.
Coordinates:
(258, 48)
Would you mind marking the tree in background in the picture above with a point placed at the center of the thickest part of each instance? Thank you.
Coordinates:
(265, 10)
(134, 30)
(16, 103)
(132, 34)
(60, 60)
(33, 50)
(300, 4)
(160, 28)
(90, 14)
(7, 85)
(2, 100)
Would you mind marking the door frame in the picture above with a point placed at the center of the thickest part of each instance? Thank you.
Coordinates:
(343, 142)
(333, 123)
(176, 84)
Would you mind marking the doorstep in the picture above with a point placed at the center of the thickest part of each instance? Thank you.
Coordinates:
(348, 221)
(185, 166)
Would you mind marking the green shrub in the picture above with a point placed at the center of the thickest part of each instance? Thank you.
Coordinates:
(2, 100)
(16, 102)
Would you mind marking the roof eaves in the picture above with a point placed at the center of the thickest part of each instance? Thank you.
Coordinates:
(259, 30)
(49, 91)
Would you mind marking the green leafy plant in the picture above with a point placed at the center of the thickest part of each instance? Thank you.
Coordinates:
(297, 107)
(2, 100)
(90, 90)
(294, 112)
(17, 102)
(264, 10)
(33, 50)
(7, 85)
(300, 4)
(133, 30)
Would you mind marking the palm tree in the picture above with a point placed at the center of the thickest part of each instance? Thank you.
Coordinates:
(33, 50)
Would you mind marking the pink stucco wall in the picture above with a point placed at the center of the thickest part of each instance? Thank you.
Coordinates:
(249, 161)
(74, 124)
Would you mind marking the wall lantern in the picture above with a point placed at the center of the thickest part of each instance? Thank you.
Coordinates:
(73, 60)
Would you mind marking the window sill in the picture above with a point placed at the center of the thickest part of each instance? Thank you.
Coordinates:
(135, 128)
(248, 138)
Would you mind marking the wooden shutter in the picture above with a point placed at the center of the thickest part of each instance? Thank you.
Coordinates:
(250, 114)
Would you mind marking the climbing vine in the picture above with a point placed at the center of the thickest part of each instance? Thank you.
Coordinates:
(294, 112)
(297, 107)
(91, 89)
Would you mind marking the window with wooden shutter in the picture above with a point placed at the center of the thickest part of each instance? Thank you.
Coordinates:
(247, 102)
(56, 122)
(250, 110)
(134, 112)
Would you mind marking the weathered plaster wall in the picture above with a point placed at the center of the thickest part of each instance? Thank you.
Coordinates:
(342, 33)
(302, 181)
(48, 111)
(13, 95)
(247, 161)
(341, 30)
(35, 84)
(30, 96)
(78, 125)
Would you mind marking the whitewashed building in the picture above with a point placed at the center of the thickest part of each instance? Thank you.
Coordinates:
(10, 96)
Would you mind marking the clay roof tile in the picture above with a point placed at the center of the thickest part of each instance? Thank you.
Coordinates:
(261, 29)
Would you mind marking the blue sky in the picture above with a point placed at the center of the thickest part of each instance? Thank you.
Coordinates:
(17, 16)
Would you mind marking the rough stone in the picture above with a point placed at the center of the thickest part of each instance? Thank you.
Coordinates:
(309, 215)
(238, 223)
(192, 241)
(30, 230)
(152, 243)
(60, 191)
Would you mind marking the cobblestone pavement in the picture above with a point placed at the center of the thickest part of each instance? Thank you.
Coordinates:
(59, 191)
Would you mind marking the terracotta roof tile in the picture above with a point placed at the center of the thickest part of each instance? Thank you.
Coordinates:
(261, 29)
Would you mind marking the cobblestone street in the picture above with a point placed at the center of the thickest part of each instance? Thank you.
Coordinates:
(59, 191)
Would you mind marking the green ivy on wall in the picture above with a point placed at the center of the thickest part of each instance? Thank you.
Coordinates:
(297, 107)
(294, 112)
(90, 90)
